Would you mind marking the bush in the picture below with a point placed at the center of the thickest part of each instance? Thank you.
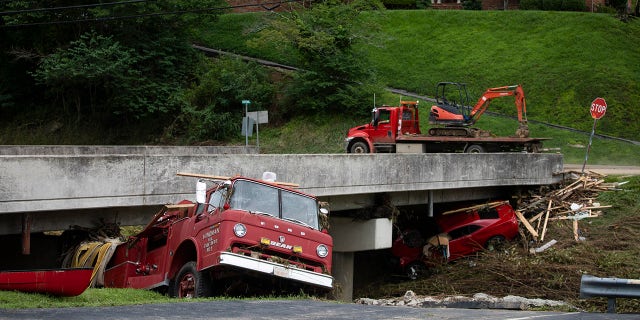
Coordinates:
(214, 109)
(401, 4)
(472, 5)
(423, 4)
(553, 5)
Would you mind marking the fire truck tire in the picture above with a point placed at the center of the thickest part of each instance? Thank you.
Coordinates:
(474, 148)
(191, 283)
(359, 147)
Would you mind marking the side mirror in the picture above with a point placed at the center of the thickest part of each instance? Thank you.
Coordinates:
(201, 191)
(375, 117)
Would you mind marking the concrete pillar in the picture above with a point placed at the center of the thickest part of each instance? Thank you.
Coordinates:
(343, 275)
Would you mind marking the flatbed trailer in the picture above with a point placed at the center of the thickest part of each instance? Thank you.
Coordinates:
(429, 144)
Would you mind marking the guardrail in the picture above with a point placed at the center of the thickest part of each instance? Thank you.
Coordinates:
(610, 288)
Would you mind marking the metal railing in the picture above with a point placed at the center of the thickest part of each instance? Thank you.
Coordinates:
(610, 288)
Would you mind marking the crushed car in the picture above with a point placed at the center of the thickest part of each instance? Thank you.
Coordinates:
(461, 233)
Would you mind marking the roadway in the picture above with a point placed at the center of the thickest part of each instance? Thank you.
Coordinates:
(289, 309)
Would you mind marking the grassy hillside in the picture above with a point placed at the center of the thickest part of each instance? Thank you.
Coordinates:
(564, 60)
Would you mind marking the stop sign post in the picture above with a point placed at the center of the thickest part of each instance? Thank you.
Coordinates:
(598, 109)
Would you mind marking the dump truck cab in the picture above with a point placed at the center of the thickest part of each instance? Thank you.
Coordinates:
(387, 123)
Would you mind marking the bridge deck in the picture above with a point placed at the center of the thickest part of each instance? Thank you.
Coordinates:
(97, 179)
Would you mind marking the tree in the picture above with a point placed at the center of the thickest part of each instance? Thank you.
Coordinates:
(119, 59)
(334, 77)
(214, 111)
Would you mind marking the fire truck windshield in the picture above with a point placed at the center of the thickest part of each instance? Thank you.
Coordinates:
(264, 199)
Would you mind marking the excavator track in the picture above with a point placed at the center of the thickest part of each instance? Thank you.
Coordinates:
(459, 132)
(451, 132)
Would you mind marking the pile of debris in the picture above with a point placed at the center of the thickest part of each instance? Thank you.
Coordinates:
(574, 200)
(477, 301)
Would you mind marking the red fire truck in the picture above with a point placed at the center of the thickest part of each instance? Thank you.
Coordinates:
(263, 234)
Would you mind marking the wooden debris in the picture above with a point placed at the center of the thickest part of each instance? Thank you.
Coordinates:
(574, 200)
(546, 220)
(524, 221)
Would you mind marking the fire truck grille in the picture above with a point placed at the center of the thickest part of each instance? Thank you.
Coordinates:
(289, 260)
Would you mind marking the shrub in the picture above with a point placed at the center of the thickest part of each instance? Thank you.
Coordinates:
(401, 4)
(472, 4)
(553, 5)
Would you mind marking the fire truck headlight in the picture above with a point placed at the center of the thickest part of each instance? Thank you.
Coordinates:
(240, 230)
(322, 251)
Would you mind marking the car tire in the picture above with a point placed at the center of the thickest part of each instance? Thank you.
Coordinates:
(415, 270)
(495, 243)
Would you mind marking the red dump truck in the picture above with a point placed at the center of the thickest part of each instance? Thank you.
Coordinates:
(397, 128)
(262, 235)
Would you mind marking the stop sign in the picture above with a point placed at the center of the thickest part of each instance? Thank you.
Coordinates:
(598, 108)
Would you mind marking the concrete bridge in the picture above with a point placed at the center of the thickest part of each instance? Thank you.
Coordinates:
(59, 186)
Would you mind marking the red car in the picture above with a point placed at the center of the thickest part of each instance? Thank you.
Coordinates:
(474, 230)
(464, 231)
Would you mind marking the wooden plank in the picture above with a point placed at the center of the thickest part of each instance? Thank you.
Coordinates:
(536, 217)
(222, 178)
(584, 208)
(546, 219)
(204, 176)
(476, 207)
(527, 224)
(180, 206)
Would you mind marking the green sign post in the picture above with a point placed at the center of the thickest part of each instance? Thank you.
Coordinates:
(246, 122)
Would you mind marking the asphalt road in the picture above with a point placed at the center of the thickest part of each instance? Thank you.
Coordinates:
(289, 309)
(605, 169)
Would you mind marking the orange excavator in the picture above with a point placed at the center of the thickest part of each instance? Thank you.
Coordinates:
(455, 117)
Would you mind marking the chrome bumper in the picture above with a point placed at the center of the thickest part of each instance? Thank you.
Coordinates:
(276, 269)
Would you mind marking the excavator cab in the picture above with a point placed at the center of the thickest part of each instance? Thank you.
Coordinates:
(452, 105)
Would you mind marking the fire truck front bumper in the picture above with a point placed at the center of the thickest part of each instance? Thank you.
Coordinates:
(276, 269)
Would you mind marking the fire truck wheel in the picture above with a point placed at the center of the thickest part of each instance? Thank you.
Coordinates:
(359, 147)
(190, 283)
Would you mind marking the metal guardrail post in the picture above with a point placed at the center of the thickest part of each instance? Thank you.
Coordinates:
(610, 288)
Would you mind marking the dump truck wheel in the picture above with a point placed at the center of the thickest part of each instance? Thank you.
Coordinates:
(359, 147)
(474, 148)
(190, 283)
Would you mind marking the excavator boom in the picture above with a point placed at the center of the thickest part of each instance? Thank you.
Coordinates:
(458, 117)
(492, 93)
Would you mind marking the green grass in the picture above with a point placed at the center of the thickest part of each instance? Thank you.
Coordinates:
(564, 60)
(93, 297)
(89, 298)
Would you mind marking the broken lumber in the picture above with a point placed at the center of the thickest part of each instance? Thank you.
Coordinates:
(527, 224)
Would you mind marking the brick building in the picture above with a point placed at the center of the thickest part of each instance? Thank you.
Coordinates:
(499, 4)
